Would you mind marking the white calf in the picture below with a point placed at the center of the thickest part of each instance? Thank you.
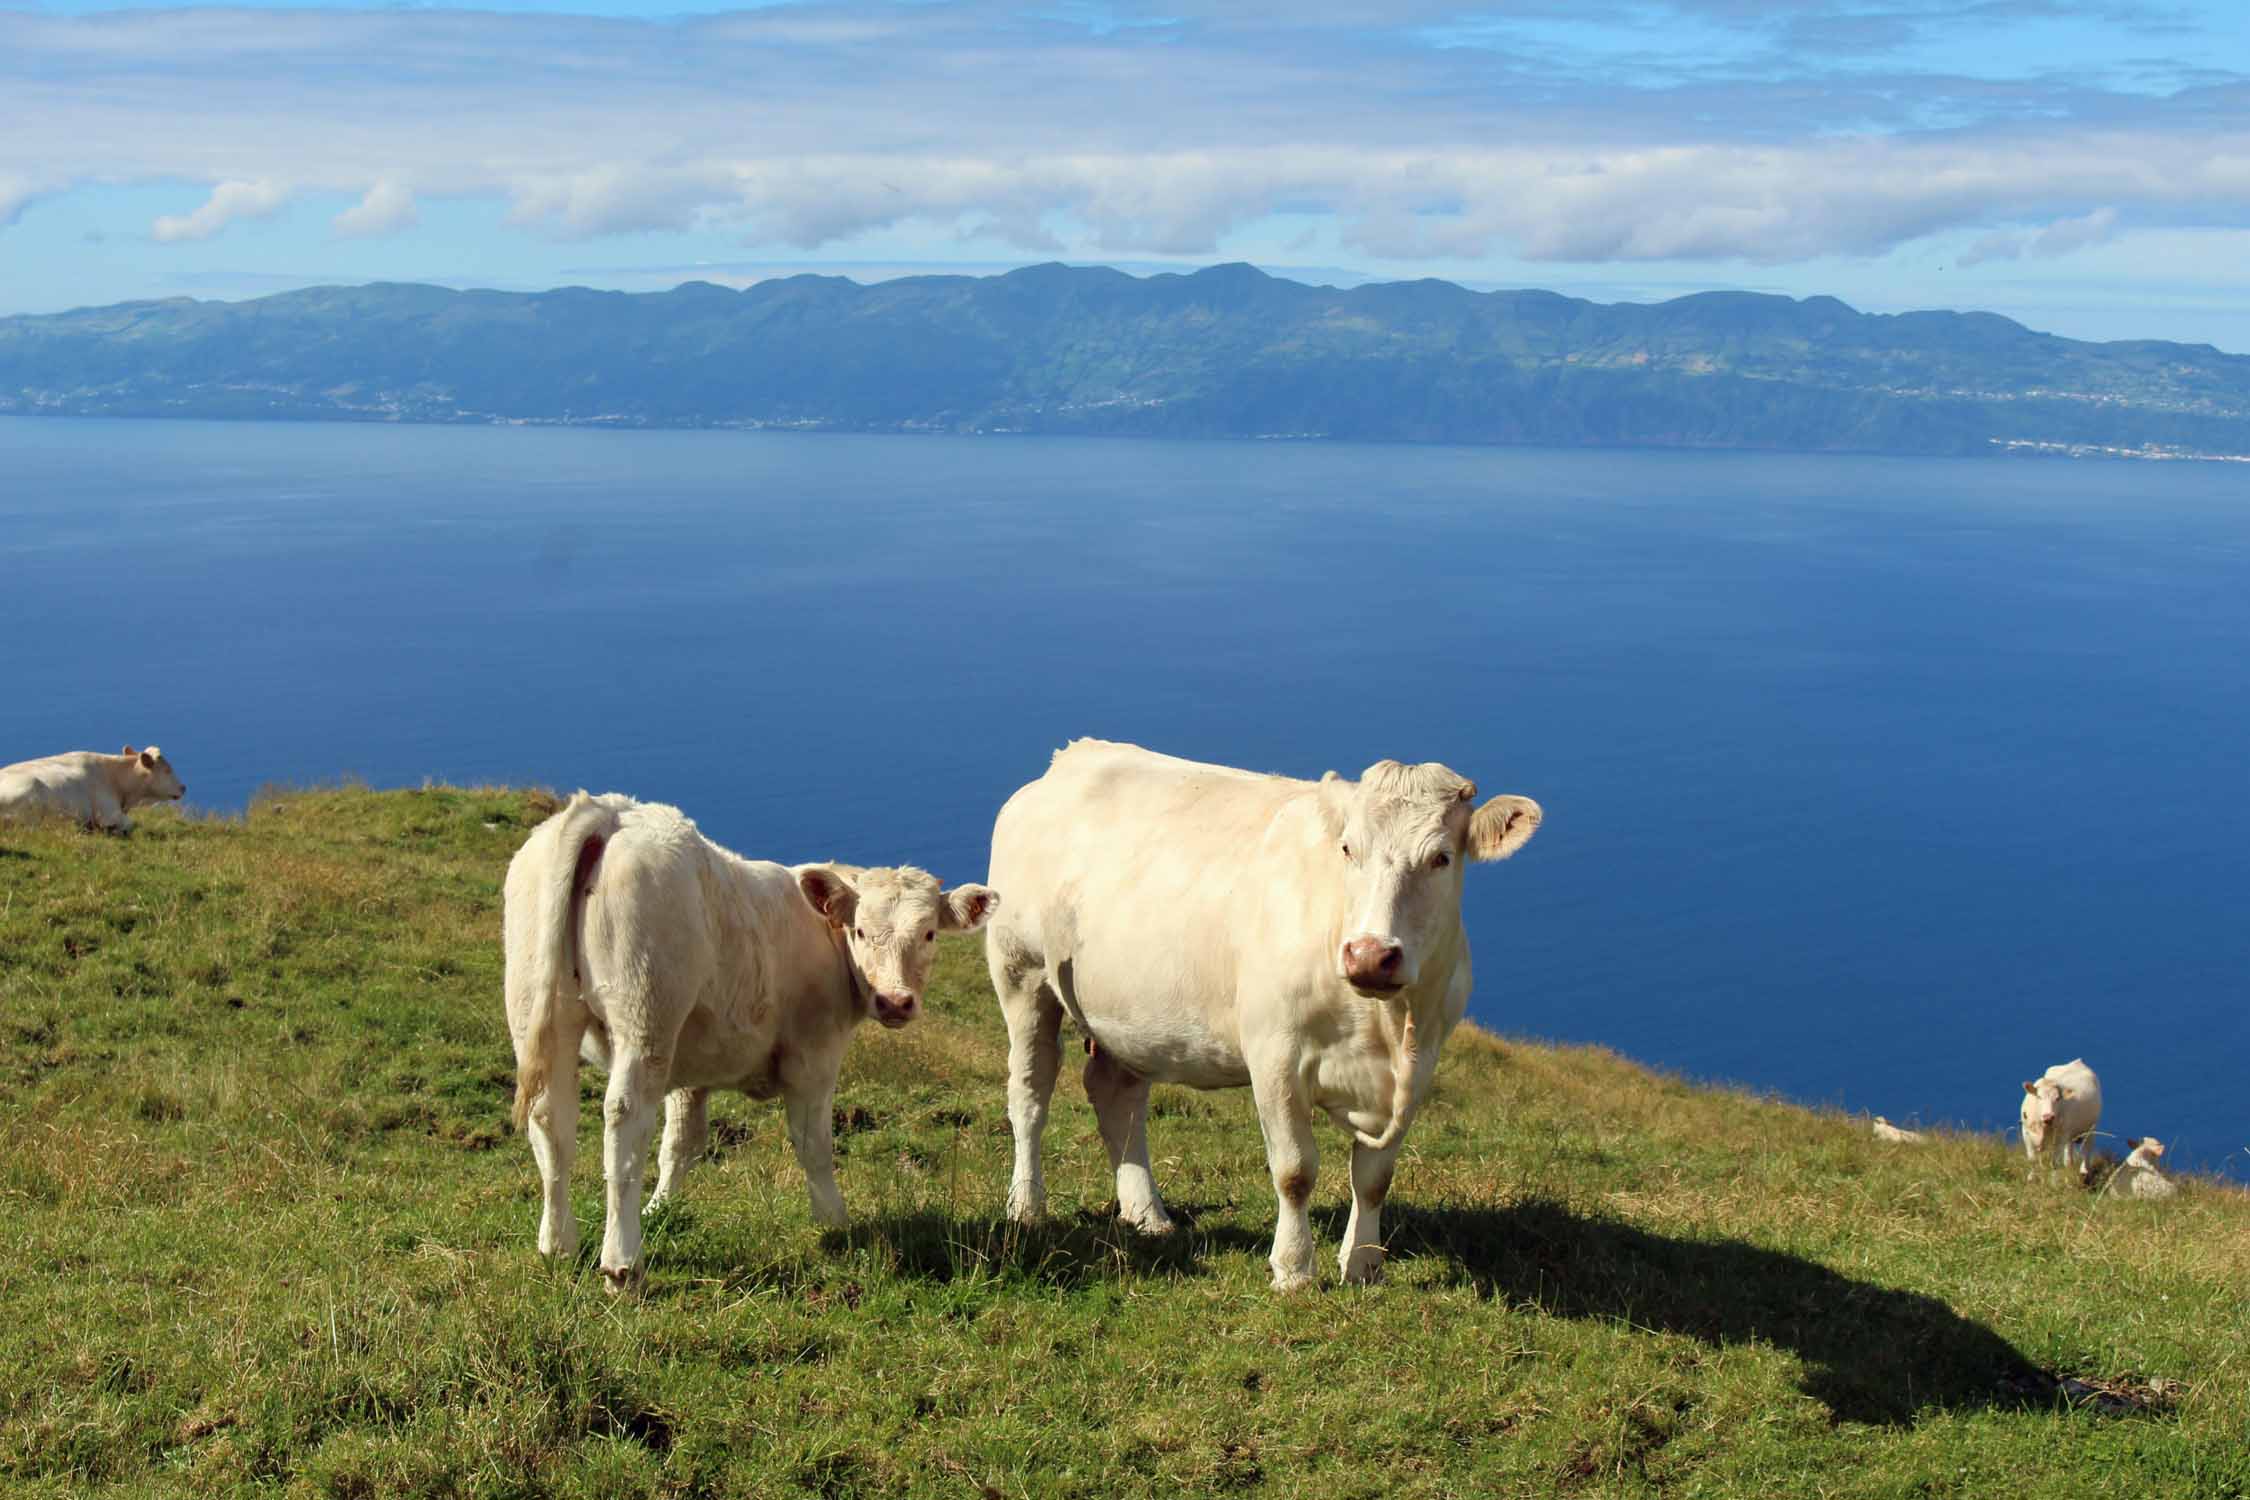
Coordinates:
(681, 967)
(2141, 1175)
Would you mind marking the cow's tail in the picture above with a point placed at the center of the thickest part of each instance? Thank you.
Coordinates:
(581, 831)
(1405, 1061)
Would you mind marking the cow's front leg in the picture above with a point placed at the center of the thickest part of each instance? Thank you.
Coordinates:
(1361, 1259)
(636, 1085)
(810, 1110)
(687, 1127)
(1293, 1156)
(1034, 1018)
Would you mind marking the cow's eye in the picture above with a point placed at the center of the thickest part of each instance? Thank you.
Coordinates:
(858, 934)
(930, 936)
(1440, 860)
(1347, 851)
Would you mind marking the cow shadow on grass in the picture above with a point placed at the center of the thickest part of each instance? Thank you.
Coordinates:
(1061, 1252)
(1872, 1354)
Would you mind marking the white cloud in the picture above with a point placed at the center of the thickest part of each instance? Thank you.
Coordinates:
(2057, 239)
(386, 208)
(16, 193)
(229, 201)
(805, 125)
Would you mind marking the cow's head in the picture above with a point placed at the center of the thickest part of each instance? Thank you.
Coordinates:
(1402, 836)
(2040, 1096)
(158, 780)
(890, 920)
(2147, 1147)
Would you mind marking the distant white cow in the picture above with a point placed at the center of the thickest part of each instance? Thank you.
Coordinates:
(1897, 1135)
(2060, 1110)
(1214, 927)
(681, 967)
(89, 787)
(2141, 1175)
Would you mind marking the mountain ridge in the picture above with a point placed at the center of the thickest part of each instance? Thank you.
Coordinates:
(1225, 351)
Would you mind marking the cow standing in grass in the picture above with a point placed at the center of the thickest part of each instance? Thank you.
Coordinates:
(2060, 1109)
(1216, 928)
(681, 967)
(88, 787)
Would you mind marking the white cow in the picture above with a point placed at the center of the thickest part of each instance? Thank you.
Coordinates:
(1897, 1135)
(681, 967)
(2141, 1175)
(2060, 1109)
(1215, 927)
(89, 787)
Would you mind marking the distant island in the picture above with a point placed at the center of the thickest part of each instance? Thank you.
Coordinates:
(1227, 352)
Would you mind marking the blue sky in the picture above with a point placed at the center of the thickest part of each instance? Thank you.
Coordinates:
(2082, 167)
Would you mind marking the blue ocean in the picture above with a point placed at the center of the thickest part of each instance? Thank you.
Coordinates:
(1875, 783)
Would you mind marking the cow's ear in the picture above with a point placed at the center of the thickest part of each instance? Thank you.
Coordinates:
(829, 893)
(2029, 1087)
(2132, 1143)
(1335, 803)
(967, 906)
(148, 758)
(128, 750)
(1502, 826)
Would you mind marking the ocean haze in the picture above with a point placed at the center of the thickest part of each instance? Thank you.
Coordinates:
(1881, 783)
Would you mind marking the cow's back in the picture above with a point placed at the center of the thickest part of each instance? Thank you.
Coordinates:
(1140, 883)
(56, 784)
(2080, 1107)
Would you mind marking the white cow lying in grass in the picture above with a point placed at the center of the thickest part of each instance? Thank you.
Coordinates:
(2141, 1175)
(681, 967)
(1897, 1135)
(89, 787)
(2060, 1110)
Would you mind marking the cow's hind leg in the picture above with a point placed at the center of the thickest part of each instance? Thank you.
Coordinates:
(687, 1128)
(551, 1125)
(1361, 1259)
(1120, 1099)
(1293, 1156)
(629, 1112)
(1034, 1018)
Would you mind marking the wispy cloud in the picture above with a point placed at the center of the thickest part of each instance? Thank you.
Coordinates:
(16, 193)
(229, 202)
(1773, 132)
(386, 208)
(2056, 239)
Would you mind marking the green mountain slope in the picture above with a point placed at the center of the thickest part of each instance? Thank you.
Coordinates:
(1226, 352)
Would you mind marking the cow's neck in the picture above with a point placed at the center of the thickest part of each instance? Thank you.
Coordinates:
(860, 999)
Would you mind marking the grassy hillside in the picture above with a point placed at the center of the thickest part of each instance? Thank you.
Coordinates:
(267, 1228)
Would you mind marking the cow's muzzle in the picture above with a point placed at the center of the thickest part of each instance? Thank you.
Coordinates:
(896, 1010)
(1376, 965)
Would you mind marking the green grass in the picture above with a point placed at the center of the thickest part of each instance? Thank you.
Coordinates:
(267, 1228)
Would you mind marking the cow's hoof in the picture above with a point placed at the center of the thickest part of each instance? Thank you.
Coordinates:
(1026, 1210)
(622, 1279)
(1364, 1266)
(1154, 1222)
(1294, 1281)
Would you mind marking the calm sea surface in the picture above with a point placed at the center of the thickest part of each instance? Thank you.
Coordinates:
(1879, 783)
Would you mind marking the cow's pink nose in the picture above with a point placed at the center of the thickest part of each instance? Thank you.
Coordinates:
(1372, 961)
(894, 1009)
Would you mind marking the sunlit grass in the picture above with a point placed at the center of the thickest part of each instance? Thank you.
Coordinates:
(268, 1228)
